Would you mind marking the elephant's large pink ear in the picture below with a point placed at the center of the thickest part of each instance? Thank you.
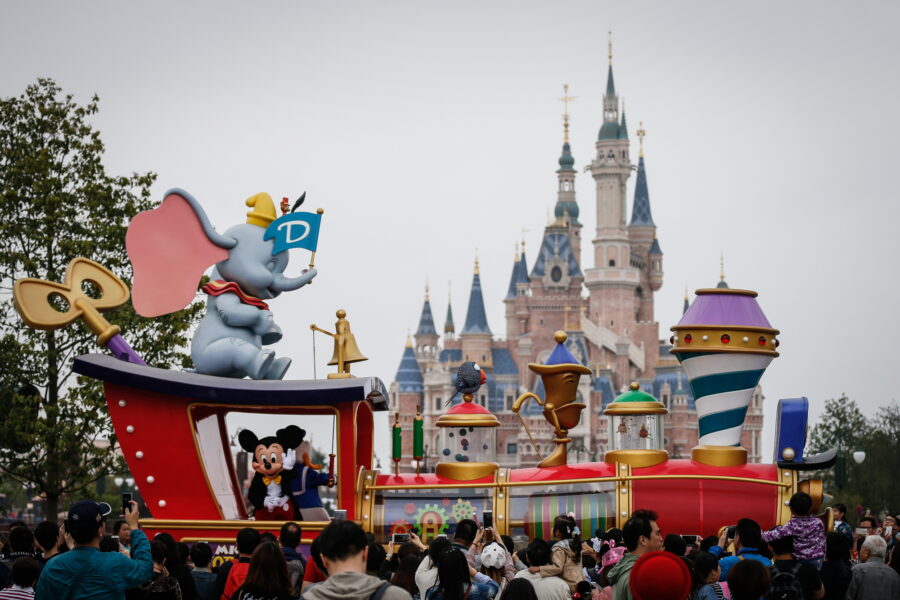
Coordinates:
(170, 247)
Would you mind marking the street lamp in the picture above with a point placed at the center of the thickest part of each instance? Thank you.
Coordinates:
(859, 456)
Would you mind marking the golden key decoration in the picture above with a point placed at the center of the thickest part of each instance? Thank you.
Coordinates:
(33, 299)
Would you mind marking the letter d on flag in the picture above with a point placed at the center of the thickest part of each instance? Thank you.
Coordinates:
(294, 230)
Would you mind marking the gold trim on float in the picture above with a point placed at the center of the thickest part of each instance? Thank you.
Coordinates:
(473, 420)
(623, 493)
(726, 292)
(366, 500)
(501, 502)
(814, 488)
(719, 456)
(466, 471)
(789, 487)
(636, 458)
(510, 484)
(635, 408)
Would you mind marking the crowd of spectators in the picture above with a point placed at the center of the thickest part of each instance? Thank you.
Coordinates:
(798, 560)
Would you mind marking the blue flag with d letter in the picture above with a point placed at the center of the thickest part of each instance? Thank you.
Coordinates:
(294, 230)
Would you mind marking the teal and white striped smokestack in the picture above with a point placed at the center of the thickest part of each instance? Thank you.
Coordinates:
(724, 343)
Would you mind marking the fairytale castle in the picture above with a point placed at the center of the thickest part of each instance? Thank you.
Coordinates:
(606, 308)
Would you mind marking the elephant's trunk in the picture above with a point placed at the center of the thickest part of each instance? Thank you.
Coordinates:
(280, 283)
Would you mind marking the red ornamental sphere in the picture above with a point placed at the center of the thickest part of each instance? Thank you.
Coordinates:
(762, 340)
(688, 338)
(725, 338)
(660, 576)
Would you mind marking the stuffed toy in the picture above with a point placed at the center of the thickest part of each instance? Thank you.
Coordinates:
(274, 460)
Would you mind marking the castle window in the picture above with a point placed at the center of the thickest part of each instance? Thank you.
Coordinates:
(509, 401)
(512, 448)
(482, 399)
(612, 263)
(556, 274)
(437, 403)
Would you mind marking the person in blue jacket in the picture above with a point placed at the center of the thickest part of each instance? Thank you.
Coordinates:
(305, 487)
(85, 572)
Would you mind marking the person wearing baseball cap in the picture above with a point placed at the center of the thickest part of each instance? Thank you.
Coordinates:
(85, 572)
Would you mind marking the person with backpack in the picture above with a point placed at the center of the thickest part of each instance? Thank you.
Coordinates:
(343, 550)
(267, 578)
(791, 578)
(289, 538)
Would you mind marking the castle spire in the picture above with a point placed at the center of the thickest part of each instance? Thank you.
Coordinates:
(476, 316)
(449, 328)
(722, 283)
(426, 321)
(640, 211)
(687, 301)
(623, 126)
(519, 273)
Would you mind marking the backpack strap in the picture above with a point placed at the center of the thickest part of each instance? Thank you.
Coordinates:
(717, 588)
(380, 591)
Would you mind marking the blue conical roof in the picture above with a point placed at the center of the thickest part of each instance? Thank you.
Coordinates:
(519, 275)
(426, 321)
(449, 327)
(623, 127)
(476, 317)
(610, 85)
(640, 213)
(561, 355)
(654, 248)
(409, 377)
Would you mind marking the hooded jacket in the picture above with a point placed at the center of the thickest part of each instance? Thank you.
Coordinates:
(352, 585)
(563, 564)
(619, 575)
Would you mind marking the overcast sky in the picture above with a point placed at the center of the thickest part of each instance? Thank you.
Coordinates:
(427, 130)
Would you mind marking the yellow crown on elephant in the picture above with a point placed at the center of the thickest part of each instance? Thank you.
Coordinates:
(263, 211)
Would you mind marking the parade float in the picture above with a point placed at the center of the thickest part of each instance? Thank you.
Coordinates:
(173, 426)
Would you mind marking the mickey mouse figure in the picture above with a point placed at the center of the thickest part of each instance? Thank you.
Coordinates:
(274, 458)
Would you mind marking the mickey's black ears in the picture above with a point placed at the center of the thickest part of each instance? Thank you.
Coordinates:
(290, 437)
(248, 440)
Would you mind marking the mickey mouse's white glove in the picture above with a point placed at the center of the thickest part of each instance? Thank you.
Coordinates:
(270, 502)
(289, 459)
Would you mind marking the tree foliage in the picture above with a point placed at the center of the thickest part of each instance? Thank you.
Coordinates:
(57, 203)
(872, 484)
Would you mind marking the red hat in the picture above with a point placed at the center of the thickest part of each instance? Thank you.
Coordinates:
(660, 576)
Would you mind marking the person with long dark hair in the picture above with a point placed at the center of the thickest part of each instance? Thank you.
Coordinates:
(176, 564)
(458, 581)
(705, 573)
(426, 574)
(405, 575)
(565, 555)
(267, 577)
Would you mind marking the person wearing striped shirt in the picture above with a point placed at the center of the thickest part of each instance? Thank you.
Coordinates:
(23, 576)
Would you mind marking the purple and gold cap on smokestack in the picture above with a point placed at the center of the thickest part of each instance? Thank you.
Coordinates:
(724, 343)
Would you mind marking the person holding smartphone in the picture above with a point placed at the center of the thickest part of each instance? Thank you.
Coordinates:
(85, 572)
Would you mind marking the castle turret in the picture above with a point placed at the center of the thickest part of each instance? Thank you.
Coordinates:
(476, 335)
(518, 286)
(426, 334)
(449, 327)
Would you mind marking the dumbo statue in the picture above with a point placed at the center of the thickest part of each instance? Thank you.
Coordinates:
(171, 246)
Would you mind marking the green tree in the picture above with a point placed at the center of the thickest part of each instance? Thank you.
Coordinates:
(882, 448)
(57, 203)
(841, 426)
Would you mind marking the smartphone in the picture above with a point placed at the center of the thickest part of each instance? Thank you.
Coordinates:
(487, 518)
(888, 530)
(443, 535)
(126, 502)
(400, 538)
(861, 531)
(690, 540)
(339, 515)
(115, 538)
(731, 531)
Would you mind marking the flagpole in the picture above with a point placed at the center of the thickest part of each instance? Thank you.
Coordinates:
(312, 257)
